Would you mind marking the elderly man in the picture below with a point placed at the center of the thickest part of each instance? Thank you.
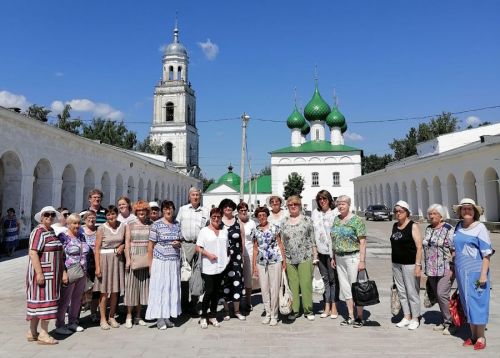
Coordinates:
(192, 217)
(154, 213)
(95, 199)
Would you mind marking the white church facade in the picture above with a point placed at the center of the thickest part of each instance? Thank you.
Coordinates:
(42, 165)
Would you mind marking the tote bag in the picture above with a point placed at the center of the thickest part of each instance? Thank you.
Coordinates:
(456, 310)
(395, 302)
(317, 282)
(285, 296)
(186, 269)
(196, 285)
(365, 293)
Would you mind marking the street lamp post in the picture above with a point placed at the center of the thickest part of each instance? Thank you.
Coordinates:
(245, 119)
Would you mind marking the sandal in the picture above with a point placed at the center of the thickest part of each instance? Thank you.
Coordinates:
(112, 322)
(46, 341)
(30, 337)
(105, 326)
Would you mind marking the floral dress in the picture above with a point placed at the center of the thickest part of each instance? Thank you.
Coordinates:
(232, 282)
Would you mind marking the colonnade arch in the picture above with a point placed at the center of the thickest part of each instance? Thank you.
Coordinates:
(140, 193)
(10, 181)
(492, 195)
(131, 188)
(118, 186)
(470, 190)
(424, 189)
(106, 188)
(43, 183)
(452, 191)
(436, 190)
(88, 185)
(68, 188)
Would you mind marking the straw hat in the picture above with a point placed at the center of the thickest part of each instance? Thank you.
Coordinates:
(47, 209)
(468, 201)
(268, 200)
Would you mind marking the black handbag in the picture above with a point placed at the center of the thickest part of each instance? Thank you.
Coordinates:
(365, 293)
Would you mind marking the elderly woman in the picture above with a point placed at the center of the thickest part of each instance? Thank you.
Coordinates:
(322, 218)
(137, 280)
(89, 230)
(61, 226)
(233, 280)
(472, 263)
(277, 214)
(10, 228)
(125, 208)
(297, 234)
(164, 265)
(349, 249)
(212, 245)
(406, 254)
(249, 228)
(109, 265)
(268, 263)
(76, 250)
(438, 255)
(44, 276)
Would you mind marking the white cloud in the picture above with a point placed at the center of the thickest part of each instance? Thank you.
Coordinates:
(8, 99)
(210, 49)
(59, 74)
(353, 136)
(162, 48)
(86, 105)
(472, 121)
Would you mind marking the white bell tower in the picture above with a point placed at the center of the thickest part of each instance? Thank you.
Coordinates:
(174, 119)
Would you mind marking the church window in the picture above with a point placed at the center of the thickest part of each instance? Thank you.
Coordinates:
(168, 150)
(179, 73)
(317, 134)
(189, 120)
(171, 73)
(170, 112)
(336, 179)
(315, 179)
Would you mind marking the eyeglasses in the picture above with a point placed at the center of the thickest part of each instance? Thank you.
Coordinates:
(95, 197)
(216, 217)
(49, 215)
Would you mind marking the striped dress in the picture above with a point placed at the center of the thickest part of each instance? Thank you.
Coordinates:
(137, 281)
(42, 300)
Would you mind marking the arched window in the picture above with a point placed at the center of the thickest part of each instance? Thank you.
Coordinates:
(315, 179)
(170, 112)
(168, 150)
(317, 134)
(171, 73)
(189, 120)
(336, 179)
(179, 73)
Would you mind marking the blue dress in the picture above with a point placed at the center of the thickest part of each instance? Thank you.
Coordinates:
(471, 245)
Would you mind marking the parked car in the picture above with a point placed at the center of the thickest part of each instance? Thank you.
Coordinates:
(378, 212)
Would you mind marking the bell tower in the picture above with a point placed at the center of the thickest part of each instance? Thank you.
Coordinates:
(174, 118)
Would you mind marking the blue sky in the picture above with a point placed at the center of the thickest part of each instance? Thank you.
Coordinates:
(386, 60)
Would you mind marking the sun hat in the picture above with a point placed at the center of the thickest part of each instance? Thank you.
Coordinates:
(268, 200)
(47, 209)
(153, 204)
(468, 201)
(403, 204)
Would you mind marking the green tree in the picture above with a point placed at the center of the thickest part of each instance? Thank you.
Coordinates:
(37, 112)
(406, 147)
(294, 185)
(374, 162)
(146, 146)
(265, 171)
(65, 122)
(110, 132)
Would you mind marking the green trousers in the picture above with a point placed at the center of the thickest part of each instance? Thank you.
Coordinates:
(300, 282)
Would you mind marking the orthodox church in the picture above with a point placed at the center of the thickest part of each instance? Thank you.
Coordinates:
(324, 164)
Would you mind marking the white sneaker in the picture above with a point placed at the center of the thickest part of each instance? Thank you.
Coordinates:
(128, 323)
(311, 317)
(203, 323)
(403, 323)
(274, 322)
(240, 316)
(266, 320)
(413, 324)
(139, 321)
(75, 327)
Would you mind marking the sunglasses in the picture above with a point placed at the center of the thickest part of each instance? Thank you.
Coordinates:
(49, 215)
(65, 214)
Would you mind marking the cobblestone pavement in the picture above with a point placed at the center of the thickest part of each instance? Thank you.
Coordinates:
(323, 337)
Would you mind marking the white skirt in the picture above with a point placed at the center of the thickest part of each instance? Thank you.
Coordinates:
(164, 290)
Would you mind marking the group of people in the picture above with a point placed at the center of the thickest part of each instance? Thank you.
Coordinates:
(137, 252)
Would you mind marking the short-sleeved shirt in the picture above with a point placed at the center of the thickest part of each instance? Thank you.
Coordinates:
(298, 240)
(75, 249)
(345, 236)
(100, 216)
(267, 244)
(438, 246)
(163, 235)
(322, 222)
(217, 245)
(192, 220)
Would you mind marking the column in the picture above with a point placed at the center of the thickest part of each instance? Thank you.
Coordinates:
(481, 197)
(56, 192)
(79, 201)
(26, 218)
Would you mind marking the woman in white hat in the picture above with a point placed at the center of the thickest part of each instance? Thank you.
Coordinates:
(472, 262)
(277, 214)
(406, 254)
(44, 276)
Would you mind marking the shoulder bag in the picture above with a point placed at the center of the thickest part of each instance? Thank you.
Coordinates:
(285, 297)
(196, 284)
(186, 269)
(365, 293)
(317, 282)
(76, 272)
(138, 262)
(395, 302)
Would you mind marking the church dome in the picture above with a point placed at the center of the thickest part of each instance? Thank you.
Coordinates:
(317, 109)
(305, 129)
(230, 178)
(343, 128)
(295, 120)
(175, 48)
(335, 118)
